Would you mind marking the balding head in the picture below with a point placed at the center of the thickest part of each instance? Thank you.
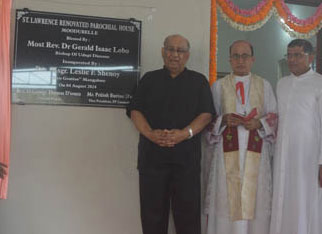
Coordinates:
(241, 57)
(242, 41)
(166, 40)
(175, 54)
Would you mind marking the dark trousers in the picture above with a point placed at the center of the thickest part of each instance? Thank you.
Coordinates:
(175, 186)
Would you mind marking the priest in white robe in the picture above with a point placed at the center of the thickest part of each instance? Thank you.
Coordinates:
(238, 154)
(297, 203)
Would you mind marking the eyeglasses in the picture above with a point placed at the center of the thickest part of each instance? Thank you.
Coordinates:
(295, 55)
(179, 51)
(241, 56)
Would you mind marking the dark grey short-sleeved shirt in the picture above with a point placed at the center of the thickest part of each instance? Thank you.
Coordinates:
(171, 103)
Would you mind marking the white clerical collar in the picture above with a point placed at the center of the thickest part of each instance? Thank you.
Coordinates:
(304, 75)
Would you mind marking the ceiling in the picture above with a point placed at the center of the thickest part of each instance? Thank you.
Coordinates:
(305, 2)
(250, 3)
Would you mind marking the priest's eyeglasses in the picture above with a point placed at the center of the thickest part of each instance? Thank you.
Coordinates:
(179, 51)
(289, 56)
(240, 56)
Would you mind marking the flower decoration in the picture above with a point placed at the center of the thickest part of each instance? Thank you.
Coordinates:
(299, 26)
(213, 43)
(255, 18)
(248, 20)
(258, 13)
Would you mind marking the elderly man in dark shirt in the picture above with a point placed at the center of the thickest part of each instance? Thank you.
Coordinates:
(170, 108)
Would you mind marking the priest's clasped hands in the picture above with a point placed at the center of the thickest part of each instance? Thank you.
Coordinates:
(233, 120)
(168, 138)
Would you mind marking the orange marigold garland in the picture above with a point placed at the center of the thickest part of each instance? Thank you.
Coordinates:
(249, 27)
(247, 20)
(299, 28)
(256, 16)
(213, 43)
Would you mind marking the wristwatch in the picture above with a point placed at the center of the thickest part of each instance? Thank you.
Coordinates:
(190, 132)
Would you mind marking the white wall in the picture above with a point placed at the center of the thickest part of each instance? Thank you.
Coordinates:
(73, 169)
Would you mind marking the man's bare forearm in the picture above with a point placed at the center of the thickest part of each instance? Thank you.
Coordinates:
(2, 170)
(199, 123)
(158, 136)
(140, 123)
